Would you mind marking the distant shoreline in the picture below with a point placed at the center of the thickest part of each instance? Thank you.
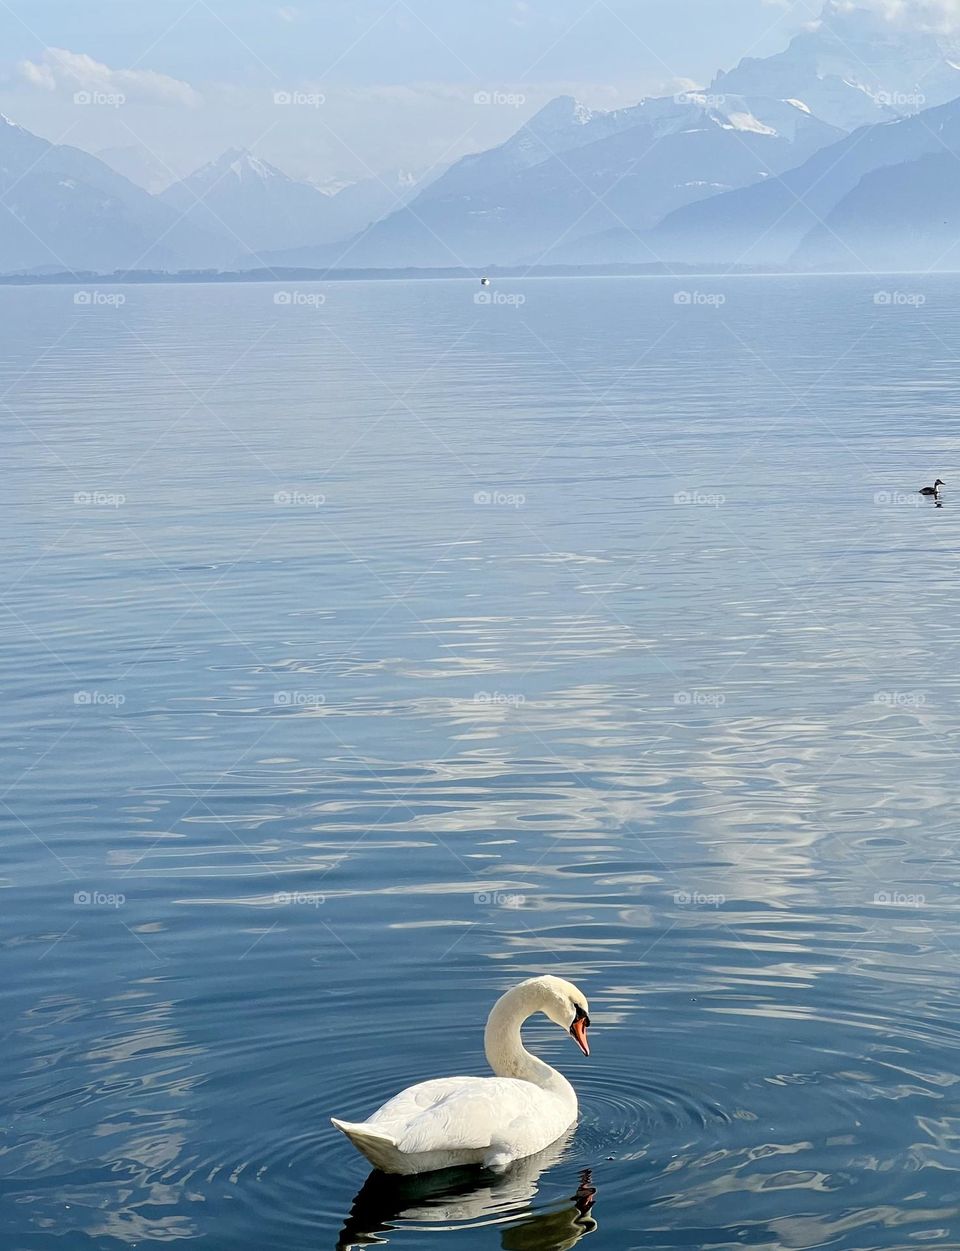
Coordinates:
(138, 277)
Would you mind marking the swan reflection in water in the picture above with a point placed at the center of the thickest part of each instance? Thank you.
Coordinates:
(466, 1196)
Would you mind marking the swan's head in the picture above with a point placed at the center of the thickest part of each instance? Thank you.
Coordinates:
(565, 1005)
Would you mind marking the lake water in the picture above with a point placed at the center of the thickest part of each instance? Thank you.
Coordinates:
(364, 655)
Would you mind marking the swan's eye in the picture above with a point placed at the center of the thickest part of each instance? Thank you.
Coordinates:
(581, 1014)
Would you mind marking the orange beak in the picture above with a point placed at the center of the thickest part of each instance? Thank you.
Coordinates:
(579, 1031)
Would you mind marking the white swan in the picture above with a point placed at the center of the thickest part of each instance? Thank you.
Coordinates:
(453, 1121)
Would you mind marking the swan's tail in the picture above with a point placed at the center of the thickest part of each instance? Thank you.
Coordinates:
(379, 1147)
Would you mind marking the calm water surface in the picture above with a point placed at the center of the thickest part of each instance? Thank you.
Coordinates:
(363, 657)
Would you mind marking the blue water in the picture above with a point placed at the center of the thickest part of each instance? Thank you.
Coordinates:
(364, 656)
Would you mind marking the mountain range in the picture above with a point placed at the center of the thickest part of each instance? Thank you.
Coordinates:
(838, 152)
(261, 209)
(854, 67)
(626, 169)
(845, 207)
(61, 208)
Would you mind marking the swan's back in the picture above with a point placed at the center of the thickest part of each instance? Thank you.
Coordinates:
(457, 1120)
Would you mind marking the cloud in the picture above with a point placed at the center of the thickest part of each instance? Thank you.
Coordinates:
(60, 69)
(929, 15)
(38, 75)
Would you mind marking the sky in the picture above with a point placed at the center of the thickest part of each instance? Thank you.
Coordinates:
(337, 90)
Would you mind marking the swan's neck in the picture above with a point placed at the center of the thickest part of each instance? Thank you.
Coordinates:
(504, 1048)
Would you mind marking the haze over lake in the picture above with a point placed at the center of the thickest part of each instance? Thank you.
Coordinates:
(373, 648)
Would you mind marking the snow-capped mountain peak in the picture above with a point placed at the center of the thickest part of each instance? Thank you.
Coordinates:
(560, 112)
(241, 163)
(257, 205)
(852, 67)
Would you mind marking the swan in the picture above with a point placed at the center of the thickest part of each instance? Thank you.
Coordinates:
(453, 1121)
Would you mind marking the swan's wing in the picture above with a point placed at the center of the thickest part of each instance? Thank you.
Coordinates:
(458, 1113)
